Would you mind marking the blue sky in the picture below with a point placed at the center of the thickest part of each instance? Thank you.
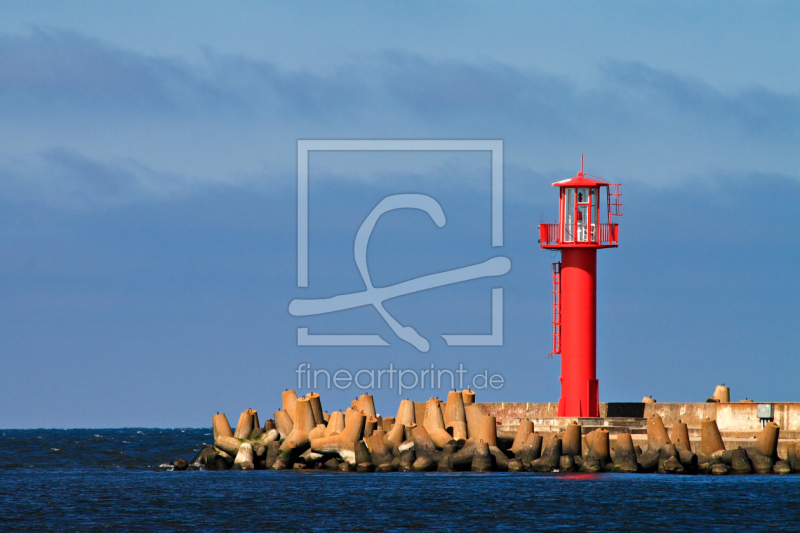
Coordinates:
(148, 192)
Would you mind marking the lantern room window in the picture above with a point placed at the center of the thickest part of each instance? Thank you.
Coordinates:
(569, 214)
(580, 215)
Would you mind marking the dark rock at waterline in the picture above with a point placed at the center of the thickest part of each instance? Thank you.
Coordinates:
(482, 460)
(445, 464)
(515, 465)
(727, 457)
(463, 457)
(273, 450)
(204, 457)
(365, 467)
(407, 458)
(671, 465)
(181, 464)
(287, 456)
(424, 464)
(666, 452)
(591, 465)
(762, 464)
(688, 459)
(740, 463)
(719, 469)
(361, 452)
(566, 464)
(551, 456)
(500, 458)
(782, 467)
(445, 461)
(531, 450)
(219, 463)
(628, 467)
(648, 461)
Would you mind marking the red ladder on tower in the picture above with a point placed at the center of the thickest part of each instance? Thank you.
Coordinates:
(556, 310)
(614, 200)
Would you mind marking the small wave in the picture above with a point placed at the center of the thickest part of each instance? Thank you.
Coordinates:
(97, 448)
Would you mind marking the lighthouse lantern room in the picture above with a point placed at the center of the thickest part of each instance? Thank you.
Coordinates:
(587, 208)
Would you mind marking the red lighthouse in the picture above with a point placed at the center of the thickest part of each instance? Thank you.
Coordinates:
(579, 233)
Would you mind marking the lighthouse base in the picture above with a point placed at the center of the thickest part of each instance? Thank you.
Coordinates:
(586, 407)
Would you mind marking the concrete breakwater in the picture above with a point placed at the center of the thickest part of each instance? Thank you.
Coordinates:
(458, 434)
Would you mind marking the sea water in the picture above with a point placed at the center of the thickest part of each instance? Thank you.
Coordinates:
(110, 480)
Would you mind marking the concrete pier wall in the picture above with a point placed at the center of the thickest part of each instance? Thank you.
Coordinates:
(738, 422)
(730, 417)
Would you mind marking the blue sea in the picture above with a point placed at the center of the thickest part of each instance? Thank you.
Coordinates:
(110, 480)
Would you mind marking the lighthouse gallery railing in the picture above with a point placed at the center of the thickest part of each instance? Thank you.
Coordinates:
(551, 234)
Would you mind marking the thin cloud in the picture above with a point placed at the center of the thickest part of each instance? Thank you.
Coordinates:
(68, 179)
(90, 123)
(53, 68)
(754, 111)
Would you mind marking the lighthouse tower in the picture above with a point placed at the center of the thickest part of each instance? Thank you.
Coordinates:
(584, 226)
